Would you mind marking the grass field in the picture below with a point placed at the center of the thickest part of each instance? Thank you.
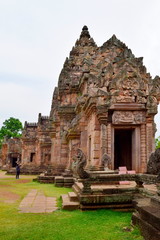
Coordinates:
(59, 225)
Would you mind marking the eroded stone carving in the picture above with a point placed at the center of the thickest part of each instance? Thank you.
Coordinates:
(79, 164)
(128, 117)
(153, 166)
(106, 161)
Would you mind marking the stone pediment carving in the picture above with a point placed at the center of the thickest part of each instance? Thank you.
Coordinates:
(128, 117)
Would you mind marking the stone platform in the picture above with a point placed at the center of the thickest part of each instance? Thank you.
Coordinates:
(106, 191)
(103, 196)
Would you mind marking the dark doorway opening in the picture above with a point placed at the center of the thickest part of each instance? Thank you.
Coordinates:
(32, 157)
(14, 160)
(123, 148)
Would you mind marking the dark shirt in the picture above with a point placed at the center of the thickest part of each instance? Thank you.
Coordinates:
(17, 168)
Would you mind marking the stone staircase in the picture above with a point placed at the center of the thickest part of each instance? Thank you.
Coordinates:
(147, 217)
(61, 181)
(120, 199)
(70, 201)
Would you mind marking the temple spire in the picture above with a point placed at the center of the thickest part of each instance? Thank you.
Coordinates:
(85, 32)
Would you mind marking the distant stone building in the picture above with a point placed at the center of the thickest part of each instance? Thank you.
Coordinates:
(11, 152)
(36, 142)
(105, 102)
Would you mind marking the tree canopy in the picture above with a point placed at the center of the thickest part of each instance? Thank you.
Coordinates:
(157, 142)
(11, 127)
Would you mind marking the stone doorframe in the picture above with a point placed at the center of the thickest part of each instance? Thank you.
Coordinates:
(136, 146)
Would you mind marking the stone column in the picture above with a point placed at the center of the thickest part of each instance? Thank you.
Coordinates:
(149, 138)
(136, 149)
(110, 143)
(96, 142)
(143, 149)
(103, 140)
(56, 147)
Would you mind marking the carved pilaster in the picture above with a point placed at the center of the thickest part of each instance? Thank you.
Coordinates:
(103, 139)
(109, 142)
(143, 148)
(149, 138)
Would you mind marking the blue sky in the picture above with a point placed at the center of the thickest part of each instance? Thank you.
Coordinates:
(37, 35)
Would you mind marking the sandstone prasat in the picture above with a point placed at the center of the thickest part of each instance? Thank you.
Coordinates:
(105, 103)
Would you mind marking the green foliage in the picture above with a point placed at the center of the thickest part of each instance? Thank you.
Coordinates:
(157, 140)
(12, 127)
(61, 224)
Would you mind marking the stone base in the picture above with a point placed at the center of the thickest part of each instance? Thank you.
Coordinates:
(109, 198)
(45, 179)
(61, 181)
(147, 217)
(69, 202)
(148, 231)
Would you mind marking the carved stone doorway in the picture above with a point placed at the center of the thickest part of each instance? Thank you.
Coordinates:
(123, 148)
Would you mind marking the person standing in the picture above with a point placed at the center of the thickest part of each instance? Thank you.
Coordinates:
(17, 171)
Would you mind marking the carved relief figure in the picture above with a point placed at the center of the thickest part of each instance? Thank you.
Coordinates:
(122, 117)
(128, 117)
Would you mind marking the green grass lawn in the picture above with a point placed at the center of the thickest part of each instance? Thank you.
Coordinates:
(59, 225)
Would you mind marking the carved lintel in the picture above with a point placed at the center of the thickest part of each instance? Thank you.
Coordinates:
(128, 117)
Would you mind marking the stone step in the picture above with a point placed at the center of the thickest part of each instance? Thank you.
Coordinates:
(77, 187)
(67, 204)
(155, 201)
(150, 214)
(73, 196)
(59, 179)
(148, 231)
(68, 180)
(45, 179)
(149, 210)
(120, 207)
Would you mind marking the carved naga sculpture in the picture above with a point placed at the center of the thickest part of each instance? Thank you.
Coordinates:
(79, 164)
(153, 166)
(106, 161)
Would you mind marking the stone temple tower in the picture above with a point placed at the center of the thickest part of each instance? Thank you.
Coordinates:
(105, 102)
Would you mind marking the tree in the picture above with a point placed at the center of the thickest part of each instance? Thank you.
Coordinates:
(12, 127)
(157, 140)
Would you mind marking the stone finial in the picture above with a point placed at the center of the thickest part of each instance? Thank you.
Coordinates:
(85, 32)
